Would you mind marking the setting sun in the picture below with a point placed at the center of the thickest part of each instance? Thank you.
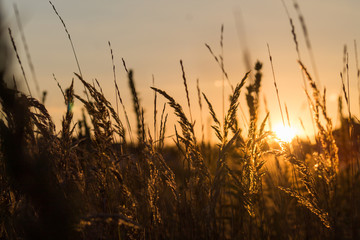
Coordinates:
(285, 133)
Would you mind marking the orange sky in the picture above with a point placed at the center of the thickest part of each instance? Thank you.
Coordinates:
(152, 36)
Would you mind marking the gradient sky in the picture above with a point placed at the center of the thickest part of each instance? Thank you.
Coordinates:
(152, 36)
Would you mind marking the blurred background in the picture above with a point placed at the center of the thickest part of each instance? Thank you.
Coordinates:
(153, 36)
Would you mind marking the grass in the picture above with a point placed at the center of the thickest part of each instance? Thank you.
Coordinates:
(88, 182)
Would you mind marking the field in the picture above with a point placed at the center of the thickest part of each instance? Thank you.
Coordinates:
(99, 177)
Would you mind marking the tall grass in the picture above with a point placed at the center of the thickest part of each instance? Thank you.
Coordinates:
(86, 181)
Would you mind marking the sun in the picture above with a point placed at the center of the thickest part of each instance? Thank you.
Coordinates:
(285, 133)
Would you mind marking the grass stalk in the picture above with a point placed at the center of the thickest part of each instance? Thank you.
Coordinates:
(276, 88)
(19, 61)
(27, 51)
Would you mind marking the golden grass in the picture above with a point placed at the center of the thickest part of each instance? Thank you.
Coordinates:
(88, 182)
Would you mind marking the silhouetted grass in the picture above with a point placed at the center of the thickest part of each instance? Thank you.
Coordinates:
(86, 181)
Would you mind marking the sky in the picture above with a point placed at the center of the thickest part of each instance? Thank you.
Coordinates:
(153, 36)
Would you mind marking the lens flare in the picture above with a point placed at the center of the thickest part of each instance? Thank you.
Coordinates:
(285, 133)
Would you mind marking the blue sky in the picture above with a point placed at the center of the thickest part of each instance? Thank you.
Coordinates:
(152, 36)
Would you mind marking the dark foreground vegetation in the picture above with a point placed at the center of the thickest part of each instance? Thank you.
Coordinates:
(88, 181)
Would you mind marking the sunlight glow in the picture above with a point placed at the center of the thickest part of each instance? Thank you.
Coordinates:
(285, 133)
